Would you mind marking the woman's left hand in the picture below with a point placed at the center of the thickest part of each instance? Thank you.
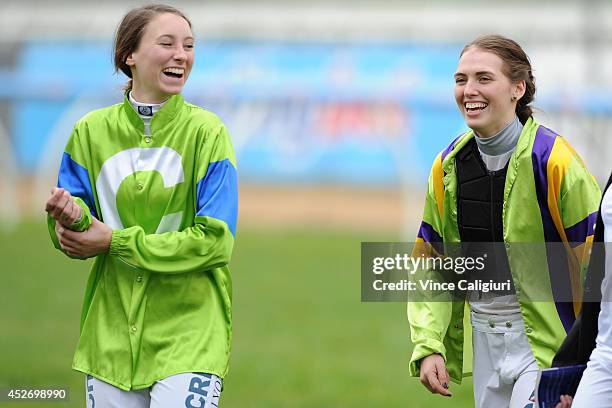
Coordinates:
(93, 241)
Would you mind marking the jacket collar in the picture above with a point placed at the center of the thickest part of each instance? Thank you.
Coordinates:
(523, 143)
(161, 119)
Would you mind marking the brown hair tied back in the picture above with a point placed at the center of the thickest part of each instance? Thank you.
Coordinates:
(130, 32)
(517, 67)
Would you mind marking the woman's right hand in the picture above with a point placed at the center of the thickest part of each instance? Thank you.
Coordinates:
(434, 375)
(62, 207)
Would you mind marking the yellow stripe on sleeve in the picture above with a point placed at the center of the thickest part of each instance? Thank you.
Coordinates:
(558, 163)
(438, 183)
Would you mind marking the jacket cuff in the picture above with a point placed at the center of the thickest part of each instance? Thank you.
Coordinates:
(423, 349)
(51, 226)
(118, 242)
(84, 222)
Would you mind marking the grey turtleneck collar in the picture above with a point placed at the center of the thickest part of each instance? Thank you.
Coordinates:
(502, 142)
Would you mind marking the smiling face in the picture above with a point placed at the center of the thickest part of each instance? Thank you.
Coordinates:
(484, 94)
(162, 62)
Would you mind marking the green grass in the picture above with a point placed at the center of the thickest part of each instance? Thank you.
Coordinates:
(302, 337)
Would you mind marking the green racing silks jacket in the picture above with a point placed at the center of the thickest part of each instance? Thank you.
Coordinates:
(549, 196)
(159, 302)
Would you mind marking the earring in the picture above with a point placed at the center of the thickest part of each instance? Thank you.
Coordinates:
(513, 99)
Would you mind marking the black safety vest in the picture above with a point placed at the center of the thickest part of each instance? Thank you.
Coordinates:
(480, 199)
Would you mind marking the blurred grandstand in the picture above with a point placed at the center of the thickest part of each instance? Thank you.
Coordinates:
(314, 93)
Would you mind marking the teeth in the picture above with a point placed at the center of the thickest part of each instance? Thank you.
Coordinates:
(177, 71)
(475, 105)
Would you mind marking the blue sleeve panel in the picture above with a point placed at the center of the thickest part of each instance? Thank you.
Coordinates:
(75, 179)
(218, 193)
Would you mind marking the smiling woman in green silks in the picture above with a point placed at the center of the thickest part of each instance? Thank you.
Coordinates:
(149, 188)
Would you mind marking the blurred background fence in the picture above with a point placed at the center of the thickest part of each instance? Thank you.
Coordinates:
(336, 110)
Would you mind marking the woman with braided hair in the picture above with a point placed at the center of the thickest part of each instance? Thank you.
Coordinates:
(507, 180)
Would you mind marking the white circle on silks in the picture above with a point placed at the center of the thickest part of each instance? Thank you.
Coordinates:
(166, 161)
